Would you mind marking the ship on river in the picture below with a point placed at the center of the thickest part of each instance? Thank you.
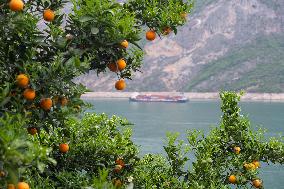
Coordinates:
(158, 98)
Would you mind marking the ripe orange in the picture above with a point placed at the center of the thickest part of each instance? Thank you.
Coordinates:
(120, 84)
(11, 186)
(150, 35)
(29, 94)
(22, 80)
(2, 174)
(249, 166)
(117, 183)
(121, 64)
(120, 162)
(46, 104)
(237, 149)
(16, 5)
(48, 15)
(183, 15)
(32, 130)
(117, 168)
(167, 30)
(64, 101)
(257, 183)
(233, 179)
(124, 44)
(23, 185)
(256, 164)
(64, 148)
(112, 67)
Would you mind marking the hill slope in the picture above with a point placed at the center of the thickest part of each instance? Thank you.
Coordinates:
(225, 45)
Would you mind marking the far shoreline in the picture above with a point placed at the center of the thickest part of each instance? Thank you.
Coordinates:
(190, 95)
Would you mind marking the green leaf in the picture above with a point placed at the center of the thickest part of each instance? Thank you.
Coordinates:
(85, 18)
(94, 30)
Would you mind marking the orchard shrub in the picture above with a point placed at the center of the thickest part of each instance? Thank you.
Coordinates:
(42, 49)
(230, 154)
(18, 152)
(97, 144)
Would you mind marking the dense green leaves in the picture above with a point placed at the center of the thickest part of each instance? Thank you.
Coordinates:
(215, 155)
(96, 142)
(17, 151)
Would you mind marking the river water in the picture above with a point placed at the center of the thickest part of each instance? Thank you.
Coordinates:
(153, 120)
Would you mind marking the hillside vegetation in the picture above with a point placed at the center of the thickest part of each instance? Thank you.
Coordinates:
(257, 66)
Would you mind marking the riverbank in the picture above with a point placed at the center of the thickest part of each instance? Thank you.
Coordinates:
(190, 96)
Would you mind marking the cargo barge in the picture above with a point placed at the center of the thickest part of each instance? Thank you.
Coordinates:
(158, 98)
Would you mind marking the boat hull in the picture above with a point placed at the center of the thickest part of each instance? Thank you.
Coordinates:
(168, 99)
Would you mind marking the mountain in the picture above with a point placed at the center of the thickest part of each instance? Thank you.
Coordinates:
(229, 45)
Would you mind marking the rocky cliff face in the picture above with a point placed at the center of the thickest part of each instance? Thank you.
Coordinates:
(235, 44)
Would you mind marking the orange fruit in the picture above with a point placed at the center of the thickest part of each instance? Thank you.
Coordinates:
(183, 15)
(117, 168)
(150, 35)
(64, 148)
(167, 30)
(16, 5)
(121, 64)
(2, 174)
(117, 183)
(120, 162)
(48, 15)
(23, 185)
(124, 44)
(237, 149)
(29, 94)
(120, 84)
(22, 80)
(46, 104)
(64, 101)
(112, 67)
(256, 164)
(233, 179)
(249, 166)
(257, 183)
(32, 130)
(11, 186)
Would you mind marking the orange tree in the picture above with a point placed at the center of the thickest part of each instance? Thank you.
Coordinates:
(229, 156)
(45, 44)
(43, 47)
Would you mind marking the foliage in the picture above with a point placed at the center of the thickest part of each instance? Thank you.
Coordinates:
(53, 52)
(154, 171)
(40, 55)
(17, 152)
(96, 142)
(216, 157)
